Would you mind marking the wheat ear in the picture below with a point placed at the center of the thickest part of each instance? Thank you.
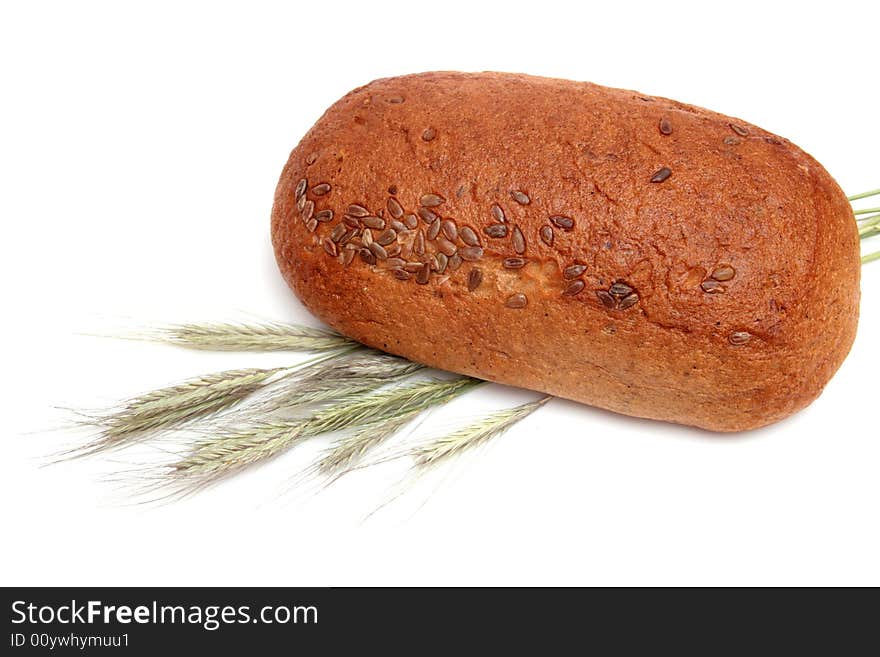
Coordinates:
(360, 371)
(472, 435)
(236, 448)
(262, 336)
(173, 406)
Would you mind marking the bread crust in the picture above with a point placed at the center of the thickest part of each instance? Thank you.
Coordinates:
(723, 294)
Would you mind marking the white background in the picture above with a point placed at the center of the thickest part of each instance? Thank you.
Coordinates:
(140, 145)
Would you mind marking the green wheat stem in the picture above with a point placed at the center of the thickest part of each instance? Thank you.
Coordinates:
(871, 257)
(866, 211)
(873, 192)
(869, 231)
(868, 221)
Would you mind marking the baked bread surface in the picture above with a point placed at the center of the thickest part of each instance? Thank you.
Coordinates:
(625, 251)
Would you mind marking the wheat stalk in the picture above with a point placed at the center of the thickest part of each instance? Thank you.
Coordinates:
(360, 371)
(856, 197)
(348, 450)
(472, 435)
(197, 398)
(869, 228)
(236, 448)
(175, 405)
(868, 222)
(264, 336)
(389, 404)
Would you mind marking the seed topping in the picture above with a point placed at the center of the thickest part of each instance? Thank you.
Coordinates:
(337, 232)
(619, 296)
(427, 215)
(520, 197)
(349, 234)
(300, 188)
(738, 129)
(519, 242)
(607, 300)
(356, 210)
(394, 208)
(739, 338)
(475, 277)
(619, 290)
(723, 273)
(367, 256)
(468, 236)
(496, 230)
(565, 223)
(431, 200)
(628, 301)
(433, 229)
(446, 247)
(386, 237)
(424, 274)
(450, 230)
(470, 253)
(661, 175)
(573, 271)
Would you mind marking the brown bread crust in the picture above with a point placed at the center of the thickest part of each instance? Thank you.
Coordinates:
(746, 348)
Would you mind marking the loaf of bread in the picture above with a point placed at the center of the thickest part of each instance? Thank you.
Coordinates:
(625, 251)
